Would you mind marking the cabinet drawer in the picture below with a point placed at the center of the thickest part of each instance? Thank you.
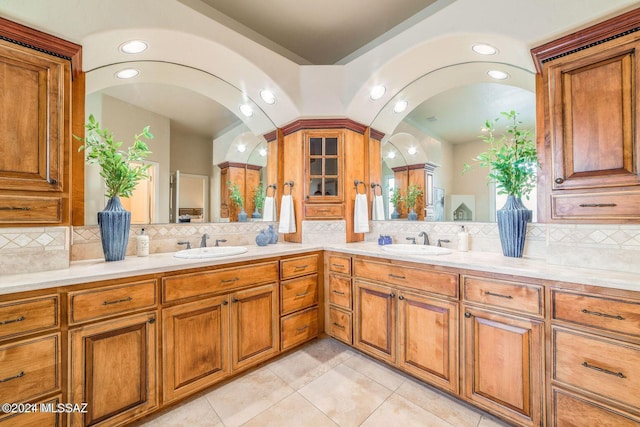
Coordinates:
(520, 297)
(209, 282)
(98, 303)
(299, 328)
(612, 205)
(608, 368)
(340, 264)
(340, 291)
(324, 211)
(570, 410)
(30, 209)
(299, 293)
(595, 311)
(36, 419)
(27, 316)
(29, 368)
(300, 266)
(340, 325)
(417, 278)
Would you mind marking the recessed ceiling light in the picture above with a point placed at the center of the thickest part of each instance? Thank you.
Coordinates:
(391, 154)
(241, 148)
(498, 75)
(400, 106)
(377, 92)
(412, 150)
(134, 46)
(263, 152)
(484, 49)
(268, 96)
(127, 73)
(246, 110)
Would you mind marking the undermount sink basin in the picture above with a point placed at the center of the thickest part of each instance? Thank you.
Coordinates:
(409, 249)
(212, 252)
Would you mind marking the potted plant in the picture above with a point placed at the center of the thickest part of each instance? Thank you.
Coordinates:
(512, 161)
(258, 200)
(395, 199)
(410, 199)
(121, 172)
(237, 200)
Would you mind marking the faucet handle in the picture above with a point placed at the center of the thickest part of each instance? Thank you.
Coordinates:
(413, 240)
(185, 243)
(220, 241)
(441, 241)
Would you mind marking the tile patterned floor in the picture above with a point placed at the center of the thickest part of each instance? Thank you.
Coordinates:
(324, 383)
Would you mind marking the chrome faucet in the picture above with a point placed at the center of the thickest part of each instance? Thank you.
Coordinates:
(426, 238)
(203, 241)
(441, 241)
(220, 241)
(185, 243)
(413, 240)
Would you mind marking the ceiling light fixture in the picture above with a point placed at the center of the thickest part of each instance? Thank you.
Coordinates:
(133, 46)
(263, 152)
(241, 148)
(484, 49)
(400, 106)
(498, 75)
(127, 73)
(246, 110)
(391, 154)
(377, 92)
(412, 150)
(268, 96)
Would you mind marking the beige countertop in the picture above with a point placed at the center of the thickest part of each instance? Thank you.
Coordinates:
(94, 270)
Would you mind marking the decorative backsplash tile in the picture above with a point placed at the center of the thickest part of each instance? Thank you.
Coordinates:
(24, 250)
(324, 232)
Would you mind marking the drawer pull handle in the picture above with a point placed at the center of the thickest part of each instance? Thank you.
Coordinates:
(15, 208)
(302, 295)
(301, 267)
(337, 325)
(235, 279)
(4, 380)
(338, 266)
(596, 313)
(604, 371)
(127, 299)
(396, 276)
(19, 319)
(598, 205)
(337, 292)
(303, 328)
(497, 295)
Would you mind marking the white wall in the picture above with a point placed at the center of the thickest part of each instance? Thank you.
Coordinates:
(472, 182)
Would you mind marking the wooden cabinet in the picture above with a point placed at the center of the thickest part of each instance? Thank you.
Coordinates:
(112, 367)
(588, 122)
(36, 419)
(340, 300)
(247, 178)
(375, 320)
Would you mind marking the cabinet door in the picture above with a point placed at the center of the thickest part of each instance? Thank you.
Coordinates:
(594, 121)
(323, 166)
(375, 325)
(428, 339)
(502, 365)
(255, 325)
(113, 369)
(195, 338)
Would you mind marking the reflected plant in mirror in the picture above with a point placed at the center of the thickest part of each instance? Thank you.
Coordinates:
(258, 200)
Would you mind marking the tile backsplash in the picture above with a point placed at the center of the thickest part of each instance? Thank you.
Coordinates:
(601, 246)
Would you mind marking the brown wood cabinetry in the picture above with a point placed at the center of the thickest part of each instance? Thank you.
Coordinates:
(247, 178)
(340, 299)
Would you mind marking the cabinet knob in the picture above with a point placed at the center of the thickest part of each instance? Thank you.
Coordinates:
(467, 314)
(234, 300)
(559, 180)
(225, 302)
(152, 320)
(400, 297)
(53, 181)
(392, 295)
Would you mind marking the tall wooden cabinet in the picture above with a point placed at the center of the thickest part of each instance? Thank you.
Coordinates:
(247, 178)
(589, 123)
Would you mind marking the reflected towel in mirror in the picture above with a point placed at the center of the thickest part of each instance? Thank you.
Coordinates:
(377, 208)
(361, 214)
(287, 215)
(269, 209)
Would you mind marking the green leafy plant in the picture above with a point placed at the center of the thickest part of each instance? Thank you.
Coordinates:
(120, 175)
(512, 159)
(234, 194)
(413, 193)
(259, 196)
(396, 197)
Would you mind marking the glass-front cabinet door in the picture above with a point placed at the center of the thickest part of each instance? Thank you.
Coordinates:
(324, 166)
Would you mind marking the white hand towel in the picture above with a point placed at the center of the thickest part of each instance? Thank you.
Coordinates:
(377, 210)
(361, 214)
(287, 215)
(269, 209)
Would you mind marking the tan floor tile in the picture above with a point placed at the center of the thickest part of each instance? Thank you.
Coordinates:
(308, 363)
(196, 413)
(376, 371)
(244, 398)
(345, 395)
(488, 421)
(398, 411)
(439, 404)
(293, 411)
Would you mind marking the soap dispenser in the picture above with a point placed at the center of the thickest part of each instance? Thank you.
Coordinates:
(463, 240)
(142, 244)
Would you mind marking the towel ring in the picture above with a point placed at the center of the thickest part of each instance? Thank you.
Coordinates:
(373, 187)
(284, 187)
(357, 183)
(274, 187)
